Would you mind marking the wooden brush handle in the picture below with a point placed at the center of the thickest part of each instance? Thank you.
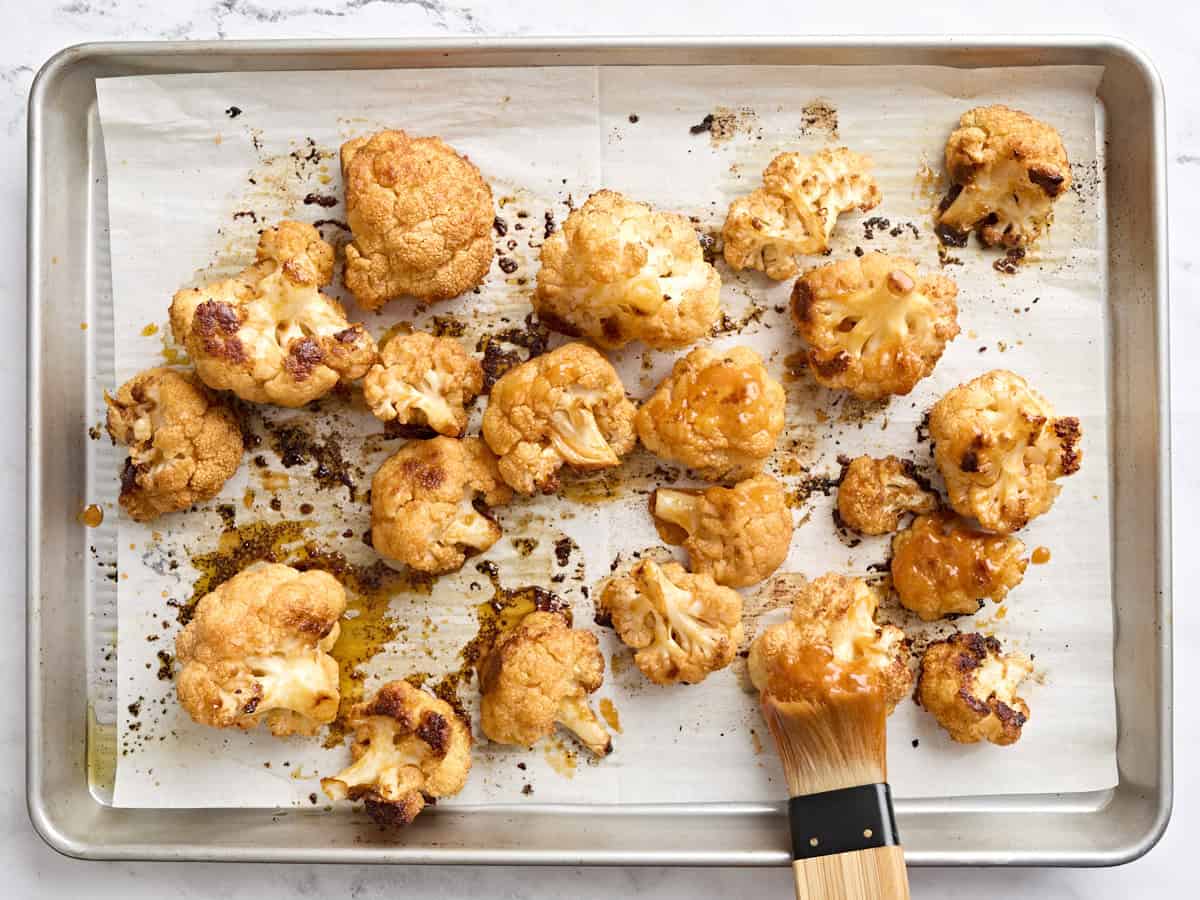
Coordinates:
(874, 874)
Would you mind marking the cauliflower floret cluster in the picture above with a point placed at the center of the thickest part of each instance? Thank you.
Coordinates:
(718, 412)
(1000, 449)
(738, 535)
(184, 443)
(424, 499)
(835, 615)
(875, 493)
(796, 209)
(970, 686)
(258, 648)
(408, 749)
(874, 325)
(421, 216)
(565, 407)
(619, 271)
(683, 626)
(1007, 169)
(537, 677)
(269, 335)
(941, 566)
(424, 381)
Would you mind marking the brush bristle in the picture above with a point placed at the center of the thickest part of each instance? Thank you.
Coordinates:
(834, 742)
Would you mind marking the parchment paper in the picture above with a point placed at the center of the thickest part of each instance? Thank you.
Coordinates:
(198, 163)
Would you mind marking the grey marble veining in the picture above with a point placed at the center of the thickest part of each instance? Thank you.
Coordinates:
(1165, 30)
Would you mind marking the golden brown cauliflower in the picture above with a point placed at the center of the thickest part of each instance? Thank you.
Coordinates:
(619, 271)
(409, 748)
(738, 535)
(565, 407)
(718, 412)
(942, 566)
(684, 627)
(184, 442)
(421, 216)
(423, 381)
(269, 335)
(257, 648)
(537, 677)
(795, 210)
(1000, 448)
(970, 686)
(1007, 170)
(874, 326)
(875, 493)
(424, 503)
(834, 614)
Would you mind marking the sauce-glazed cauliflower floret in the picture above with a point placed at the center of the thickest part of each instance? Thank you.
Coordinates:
(874, 326)
(423, 503)
(269, 335)
(422, 380)
(1000, 448)
(258, 648)
(875, 493)
(970, 686)
(738, 535)
(184, 443)
(421, 216)
(408, 748)
(942, 566)
(619, 271)
(718, 412)
(683, 627)
(537, 677)
(1007, 170)
(836, 614)
(565, 407)
(795, 210)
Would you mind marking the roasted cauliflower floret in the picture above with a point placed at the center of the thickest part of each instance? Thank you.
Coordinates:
(738, 535)
(537, 677)
(795, 210)
(258, 647)
(1000, 449)
(834, 614)
(970, 686)
(875, 493)
(184, 442)
(423, 381)
(873, 325)
(421, 216)
(619, 271)
(683, 626)
(942, 566)
(718, 412)
(269, 335)
(424, 502)
(408, 748)
(565, 407)
(1007, 169)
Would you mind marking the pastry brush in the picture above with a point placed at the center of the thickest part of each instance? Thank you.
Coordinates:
(833, 747)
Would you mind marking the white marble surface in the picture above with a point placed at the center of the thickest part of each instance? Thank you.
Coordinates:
(1166, 31)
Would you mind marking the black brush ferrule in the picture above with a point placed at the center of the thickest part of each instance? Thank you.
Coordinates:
(842, 821)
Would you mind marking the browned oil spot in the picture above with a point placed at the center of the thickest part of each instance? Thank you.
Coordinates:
(91, 516)
(794, 366)
(1041, 556)
(248, 498)
(83, 326)
(609, 711)
(561, 758)
(149, 330)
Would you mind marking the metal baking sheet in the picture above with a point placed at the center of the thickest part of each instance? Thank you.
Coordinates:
(934, 831)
